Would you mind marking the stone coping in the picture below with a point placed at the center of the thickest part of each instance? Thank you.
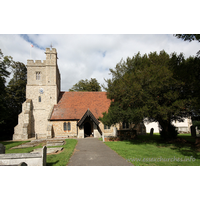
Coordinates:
(20, 155)
(49, 150)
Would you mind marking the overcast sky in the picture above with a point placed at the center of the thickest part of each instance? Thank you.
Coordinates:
(86, 56)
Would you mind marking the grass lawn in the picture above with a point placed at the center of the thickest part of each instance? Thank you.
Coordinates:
(11, 144)
(60, 159)
(151, 151)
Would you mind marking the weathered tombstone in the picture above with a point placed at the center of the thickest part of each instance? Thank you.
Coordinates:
(197, 130)
(115, 131)
(151, 131)
(2, 149)
(44, 155)
(193, 131)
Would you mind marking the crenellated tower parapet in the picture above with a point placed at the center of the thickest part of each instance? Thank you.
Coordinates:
(51, 56)
(36, 62)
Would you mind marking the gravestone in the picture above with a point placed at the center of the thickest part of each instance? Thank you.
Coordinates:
(49, 150)
(2, 149)
(151, 132)
(193, 131)
(115, 131)
(55, 143)
(33, 143)
(197, 130)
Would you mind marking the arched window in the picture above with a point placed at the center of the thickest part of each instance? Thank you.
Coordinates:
(125, 125)
(39, 99)
(65, 126)
(106, 127)
(69, 126)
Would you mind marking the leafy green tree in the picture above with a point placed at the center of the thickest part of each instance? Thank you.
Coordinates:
(15, 96)
(12, 95)
(4, 73)
(86, 85)
(189, 72)
(147, 87)
(16, 89)
(188, 37)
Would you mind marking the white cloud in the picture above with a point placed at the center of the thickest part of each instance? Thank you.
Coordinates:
(91, 56)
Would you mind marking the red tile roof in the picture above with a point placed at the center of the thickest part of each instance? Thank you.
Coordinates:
(73, 105)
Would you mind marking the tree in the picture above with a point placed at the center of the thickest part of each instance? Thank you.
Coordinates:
(146, 87)
(86, 85)
(189, 72)
(4, 73)
(15, 96)
(11, 96)
(189, 37)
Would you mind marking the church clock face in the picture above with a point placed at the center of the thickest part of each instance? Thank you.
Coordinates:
(41, 90)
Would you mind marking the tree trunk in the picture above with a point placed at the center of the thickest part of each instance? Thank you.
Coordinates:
(168, 130)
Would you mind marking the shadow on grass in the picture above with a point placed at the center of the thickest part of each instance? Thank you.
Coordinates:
(52, 163)
(11, 144)
(183, 144)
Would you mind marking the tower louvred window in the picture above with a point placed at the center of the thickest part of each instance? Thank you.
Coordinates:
(38, 75)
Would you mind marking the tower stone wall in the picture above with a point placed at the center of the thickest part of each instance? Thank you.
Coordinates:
(42, 89)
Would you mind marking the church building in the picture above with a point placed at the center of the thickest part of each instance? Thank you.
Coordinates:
(48, 112)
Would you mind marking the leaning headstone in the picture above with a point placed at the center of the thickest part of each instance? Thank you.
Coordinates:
(2, 149)
(151, 132)
(193, 131)
(44, 155)
(115, 131)
(197, 130)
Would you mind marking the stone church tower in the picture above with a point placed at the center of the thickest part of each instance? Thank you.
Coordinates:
(42, 92)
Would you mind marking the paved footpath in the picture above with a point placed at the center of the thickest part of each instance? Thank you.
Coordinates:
(93, 152)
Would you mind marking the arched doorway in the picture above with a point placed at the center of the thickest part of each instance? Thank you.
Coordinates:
(87, 129)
